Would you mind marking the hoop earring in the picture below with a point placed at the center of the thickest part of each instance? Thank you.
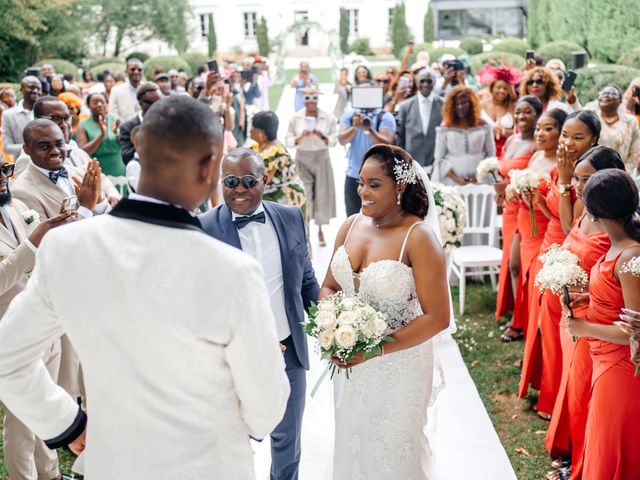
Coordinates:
(398, 199)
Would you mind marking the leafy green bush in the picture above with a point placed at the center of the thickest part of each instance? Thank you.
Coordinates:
(102, 61)
(496, 58)
(143, 57)
(61, 66)
(631, 58)
(112, 67)
(471, 45)
(166, 63)
(194, 59)
(360, 46)
(591, 80)
(560, 49)
(436, 53)
(512, 45)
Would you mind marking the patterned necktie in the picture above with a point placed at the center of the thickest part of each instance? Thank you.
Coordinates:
(54, 175)
(242, 222)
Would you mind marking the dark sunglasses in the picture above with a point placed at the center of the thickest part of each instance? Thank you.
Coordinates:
(382, 80)
(311, 98)
(134, 69)
(57, 119)
(231, 181)
(535, 82)
(7, 169)
(428, 81)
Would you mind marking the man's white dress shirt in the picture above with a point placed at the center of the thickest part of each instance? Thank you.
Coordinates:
(426, 104)
(261, 242)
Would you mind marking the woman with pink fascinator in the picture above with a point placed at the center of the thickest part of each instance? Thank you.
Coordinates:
(497, 108)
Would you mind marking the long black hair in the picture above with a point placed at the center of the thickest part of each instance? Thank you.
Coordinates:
(613, 195)
(414, 200)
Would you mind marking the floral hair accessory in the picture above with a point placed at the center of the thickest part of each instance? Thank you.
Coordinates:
(489, 73)
(404, 172)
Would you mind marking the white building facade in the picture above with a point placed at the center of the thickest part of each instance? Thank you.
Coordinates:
(235, 23)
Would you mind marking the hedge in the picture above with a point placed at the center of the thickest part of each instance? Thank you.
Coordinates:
(166, 63)
(61, 66)
(360, 46)
(631, 58)
(143, 57)
(512, 45)
(112, 67)
(496, 58)
(561, 49)
(195, 59)
(591, 80)
(104, 60)
(471, 45)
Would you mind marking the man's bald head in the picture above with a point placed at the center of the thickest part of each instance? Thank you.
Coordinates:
(30, 132)
(250, 158)
(180, 146)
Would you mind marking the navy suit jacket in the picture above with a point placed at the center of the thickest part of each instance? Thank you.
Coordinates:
(300, 284)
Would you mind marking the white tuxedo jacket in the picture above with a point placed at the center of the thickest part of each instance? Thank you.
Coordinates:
(177, 343)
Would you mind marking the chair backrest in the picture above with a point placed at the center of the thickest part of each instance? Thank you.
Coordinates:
(480, 211)
(121, 184)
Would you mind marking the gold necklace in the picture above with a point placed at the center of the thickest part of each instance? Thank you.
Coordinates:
(388, 222)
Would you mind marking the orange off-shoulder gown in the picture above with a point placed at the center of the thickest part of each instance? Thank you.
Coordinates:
(505, 298)
(568, 421)
(613, 423)
(542, 364)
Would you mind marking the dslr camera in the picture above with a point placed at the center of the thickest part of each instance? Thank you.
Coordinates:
(366, 99)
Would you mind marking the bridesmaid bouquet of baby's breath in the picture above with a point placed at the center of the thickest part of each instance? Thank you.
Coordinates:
(488, 166)
(528, 180)
(631, 326)
(560, 270)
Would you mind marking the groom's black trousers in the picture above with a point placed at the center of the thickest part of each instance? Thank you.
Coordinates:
(286, 438)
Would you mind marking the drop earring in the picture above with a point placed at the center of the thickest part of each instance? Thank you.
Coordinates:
(398, 199)
(593, 219)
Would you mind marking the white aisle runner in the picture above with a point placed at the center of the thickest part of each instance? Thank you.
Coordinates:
(464, 443)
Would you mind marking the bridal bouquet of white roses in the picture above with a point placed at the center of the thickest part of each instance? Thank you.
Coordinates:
(346, 325)
(488, 166)
(451, 215)
(528, 180)
(560, 270)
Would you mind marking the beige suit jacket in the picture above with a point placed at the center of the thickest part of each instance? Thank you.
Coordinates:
(121, 102)
(16, 258)
(39, 193)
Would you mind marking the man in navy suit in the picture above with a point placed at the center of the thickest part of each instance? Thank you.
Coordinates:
(275, 235)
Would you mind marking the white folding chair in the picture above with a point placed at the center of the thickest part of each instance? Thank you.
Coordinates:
(485, 258)
(121, 184)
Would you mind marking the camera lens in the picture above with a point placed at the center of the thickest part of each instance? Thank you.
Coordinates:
(366, 122)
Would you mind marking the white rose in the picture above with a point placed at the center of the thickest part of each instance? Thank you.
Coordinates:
(348, 303)
(346, 336)
(326, 306)
(380, 326)
(451, 225)
(369, 328)
(326, 320)
(347, 318)
(326, 338)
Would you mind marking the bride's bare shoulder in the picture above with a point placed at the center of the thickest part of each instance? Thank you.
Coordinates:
(423, 239)
(345, 228)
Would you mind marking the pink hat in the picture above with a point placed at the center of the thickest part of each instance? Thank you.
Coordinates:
(489, 73)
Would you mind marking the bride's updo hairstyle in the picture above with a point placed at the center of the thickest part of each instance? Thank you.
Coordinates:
(414, 200)
(612, 194)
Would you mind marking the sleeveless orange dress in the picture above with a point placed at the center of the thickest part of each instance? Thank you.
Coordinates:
(611, 446)
(569, 418)
(529, 249)
(542, 364)
(504, 301)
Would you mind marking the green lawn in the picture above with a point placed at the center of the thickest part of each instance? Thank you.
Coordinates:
(492, 367)
(324, 75)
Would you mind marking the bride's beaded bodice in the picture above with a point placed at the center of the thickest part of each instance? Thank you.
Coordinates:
(387, 284)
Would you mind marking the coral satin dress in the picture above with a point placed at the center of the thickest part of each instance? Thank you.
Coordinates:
(504, 301)
(542, 364)
(529, 250)
(611, 446)
(566, 430)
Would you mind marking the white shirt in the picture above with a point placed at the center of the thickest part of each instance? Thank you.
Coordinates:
(426, 104)
(261, 242)
(67, 186)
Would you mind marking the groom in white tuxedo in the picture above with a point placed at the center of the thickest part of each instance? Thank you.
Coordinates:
(180, 356)
(275, 235)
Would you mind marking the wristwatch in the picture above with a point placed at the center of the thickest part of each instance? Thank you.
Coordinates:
(564, 189)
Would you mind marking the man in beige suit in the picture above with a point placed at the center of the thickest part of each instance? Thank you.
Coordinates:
(26, 457)
(123, 102)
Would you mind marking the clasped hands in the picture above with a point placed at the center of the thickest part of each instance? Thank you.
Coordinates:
(88, 190)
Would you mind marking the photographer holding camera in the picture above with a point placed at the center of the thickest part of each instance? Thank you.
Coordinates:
(453, 74)
(361, 128)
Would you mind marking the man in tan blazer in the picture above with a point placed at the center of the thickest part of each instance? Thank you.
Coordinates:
(123, 102)
(26, 457)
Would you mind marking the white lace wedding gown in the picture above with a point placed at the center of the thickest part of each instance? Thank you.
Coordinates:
(381, 410)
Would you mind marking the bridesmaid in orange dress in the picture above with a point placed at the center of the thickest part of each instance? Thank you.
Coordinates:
(547, 136)
(517, 153)
(565, 436)
(613, 422)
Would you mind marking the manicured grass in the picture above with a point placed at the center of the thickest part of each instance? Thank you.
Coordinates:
(492, 365)
(324, 75)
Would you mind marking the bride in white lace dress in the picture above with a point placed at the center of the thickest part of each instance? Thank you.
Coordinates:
(394, 259)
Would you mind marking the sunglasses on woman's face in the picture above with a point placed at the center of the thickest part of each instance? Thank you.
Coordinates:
(535, 81)
(232, 182)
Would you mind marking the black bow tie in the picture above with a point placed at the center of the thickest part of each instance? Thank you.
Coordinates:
(242, 222)
(53, 176)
